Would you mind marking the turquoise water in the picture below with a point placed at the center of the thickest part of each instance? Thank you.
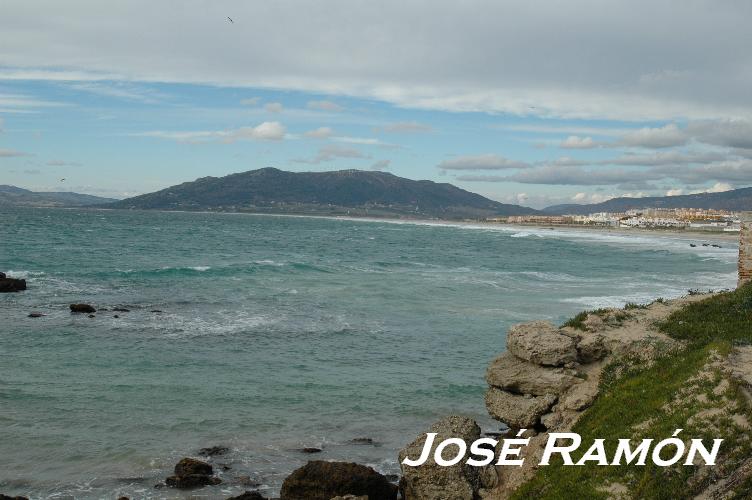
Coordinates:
(276, 333)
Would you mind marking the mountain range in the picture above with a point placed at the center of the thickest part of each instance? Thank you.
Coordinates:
(343, 192)
(15, 196)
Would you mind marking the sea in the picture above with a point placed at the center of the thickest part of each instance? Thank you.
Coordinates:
(269, 334)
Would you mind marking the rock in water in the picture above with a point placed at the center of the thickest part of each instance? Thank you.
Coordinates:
(35, 315)
(540, 342)
(518, 412)
(248, 495)
(213, 451)
(192, 473)
(512, 374)
(6, 497)
(434, 482)
(10, 285)
(82, 308)
(319, 480)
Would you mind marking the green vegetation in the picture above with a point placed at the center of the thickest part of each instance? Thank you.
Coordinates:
(634, 305)
(682, 389)
(612, 317)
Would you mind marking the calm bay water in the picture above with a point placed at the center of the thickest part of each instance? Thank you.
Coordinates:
(276, 333)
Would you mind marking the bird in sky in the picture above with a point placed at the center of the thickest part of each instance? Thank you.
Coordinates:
(230, 19)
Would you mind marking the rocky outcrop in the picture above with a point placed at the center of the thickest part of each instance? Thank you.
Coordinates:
(11, 285)
(540, 342)
(191, 473)
(319, 480)
(82, 308)
(518, 412)
(434, 482)
(510, 373)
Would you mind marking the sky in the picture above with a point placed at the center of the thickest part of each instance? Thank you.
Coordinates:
(530, 102)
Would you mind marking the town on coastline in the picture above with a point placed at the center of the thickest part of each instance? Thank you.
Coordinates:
(694, 219)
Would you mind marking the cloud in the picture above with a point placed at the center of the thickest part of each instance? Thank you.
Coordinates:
(22, 103)
(2, 123)
(62, 163)
(665, 158)
(331, 152)
(32, 171)
(368, 141)
(577, 142)
(12, 153)
(720, 187)
(674, 192)
(661, 137)
(323, 47)
(266, 131)
(406, 127)
(324, 106)
(481, 162)
(274, 107)
(734, 133)
(120, 90)
(319, 133)
(250, 101)
(381, 165)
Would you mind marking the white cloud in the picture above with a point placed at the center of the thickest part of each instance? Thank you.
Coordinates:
(326, 47)
(62, 163)
(274, 107)
(250, 101)
(266, 131)
(406, 127)
(381, 165)
(2, 123)
(324, 106)
(320, 133)
(12, 153)
(577, 142)
(720, 187)
(674, 192)
(661, 137)
(481, 162)
(331, 152)
(120, 90)
(734, 133)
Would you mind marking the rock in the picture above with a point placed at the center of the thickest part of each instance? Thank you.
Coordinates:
(519, 412)
(580, 397)
(512, 374)
(247, 481)
(248, 495)
(92, 316)
(431, 481)
(123, 498)
(191, 481)
(351, 497)
(6, 497)
(121, 309)
(10, 285)
(540, 342)
(36, 315)
(592, 348)
(82, 308)
(362, 441)
(156, 310)
(310, 450)
(2, 275)
(213, 451)
(551, 420)
(319, 480)
(116, 316)
(594, 323)
(192, 473)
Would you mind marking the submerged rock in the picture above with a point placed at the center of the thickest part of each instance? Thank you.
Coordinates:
(11, 285)
(518, 412)
(513, 374)
(213, 451)
(362, 441)
(248, 495)
(36, 315)
(456, 482)
(310, 450)
(540, 342)
(192, 473)
(6, 497)
(82, 308)
(319, 480)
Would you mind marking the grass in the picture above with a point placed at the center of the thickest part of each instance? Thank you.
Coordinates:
(651, 401)
(612, 317)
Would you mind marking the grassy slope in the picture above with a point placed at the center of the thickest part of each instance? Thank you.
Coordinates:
(652, 402)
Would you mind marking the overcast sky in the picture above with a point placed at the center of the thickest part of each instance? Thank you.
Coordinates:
(534, 102)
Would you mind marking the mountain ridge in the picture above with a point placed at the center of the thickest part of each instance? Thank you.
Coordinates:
(16, 196)
(351, 192)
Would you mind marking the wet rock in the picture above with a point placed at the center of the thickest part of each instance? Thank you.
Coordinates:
(310, 450)
(248, 495)
(82, 308)
(247, 481)
(362, 441)
(319, 480)
(6, 497)
(431, 481)
(213, 451)
(2, 275)
(10, 285)
(36, 315)
(121, 309)
(116, 316)
(513, 374)
(519, 412)
(156, 310)
(192, 473)
(540, 342)
(92, 316)
(123, 498)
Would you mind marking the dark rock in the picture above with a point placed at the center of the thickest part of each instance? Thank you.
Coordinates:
(121, 309)
(319, 480)
(36, 315)
(248, 495)
(10, 285)
(92, 316)
(116, 316)
(247, 481)
(2, 275)
(188, 466)
(393, 478)
(310, 450)
(191, 481)
(213, 451)
(6, 497)
(82, 308)
(156, 311)
(362, 441)
(123, 498)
